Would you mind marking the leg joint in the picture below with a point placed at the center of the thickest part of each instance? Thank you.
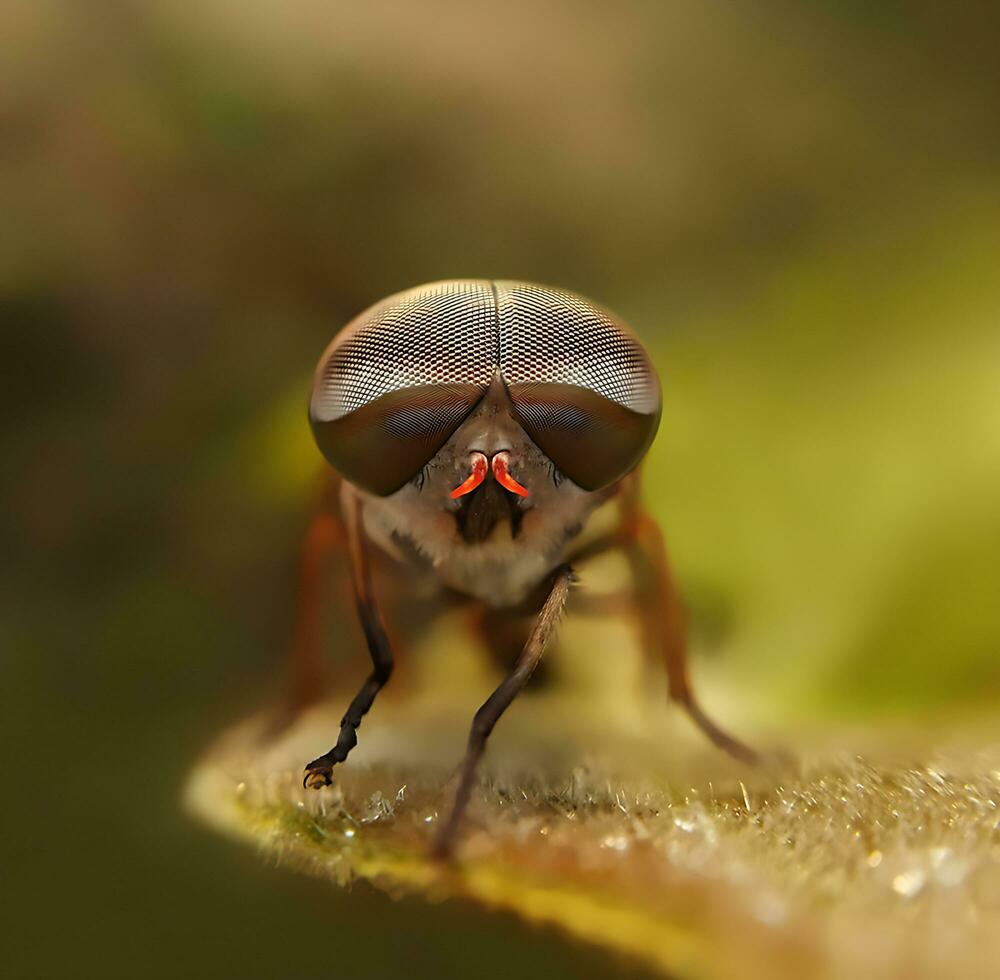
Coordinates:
(382, 671)
(482, 724)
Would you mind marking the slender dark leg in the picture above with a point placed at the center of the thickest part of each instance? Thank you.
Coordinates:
(319, 772)
(498, 702)
(662, 619)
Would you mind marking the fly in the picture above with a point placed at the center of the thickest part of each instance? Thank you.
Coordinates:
(471, 419)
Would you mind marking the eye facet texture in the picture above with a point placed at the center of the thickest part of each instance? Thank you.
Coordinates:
(401, 378)
(551, 336)
(581, 384)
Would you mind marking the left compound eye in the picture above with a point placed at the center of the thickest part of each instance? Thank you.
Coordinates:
(581, 384)
(400, 379)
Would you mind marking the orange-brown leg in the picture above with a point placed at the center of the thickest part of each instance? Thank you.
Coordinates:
(661, 617)
(308, 673)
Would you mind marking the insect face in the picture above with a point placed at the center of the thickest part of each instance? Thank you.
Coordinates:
(402, 379)
(488, 473)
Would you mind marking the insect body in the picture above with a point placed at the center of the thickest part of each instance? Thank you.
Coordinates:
(476, 426)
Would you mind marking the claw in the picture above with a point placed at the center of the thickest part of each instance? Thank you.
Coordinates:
(318, 774)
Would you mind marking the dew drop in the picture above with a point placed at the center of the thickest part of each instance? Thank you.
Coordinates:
(909, 883)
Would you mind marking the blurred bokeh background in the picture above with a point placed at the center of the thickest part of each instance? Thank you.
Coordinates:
(797, 206)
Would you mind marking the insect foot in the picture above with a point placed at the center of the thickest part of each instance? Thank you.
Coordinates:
(319, 773)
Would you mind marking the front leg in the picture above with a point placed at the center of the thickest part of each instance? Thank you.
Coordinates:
(498, 702)
(319, 772)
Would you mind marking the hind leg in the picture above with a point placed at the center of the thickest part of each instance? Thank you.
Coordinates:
(661, 620)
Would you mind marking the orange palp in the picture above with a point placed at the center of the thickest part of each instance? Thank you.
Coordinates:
(478, 474)
(504, 478)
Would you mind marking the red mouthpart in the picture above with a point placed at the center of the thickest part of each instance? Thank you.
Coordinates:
(478, 474)
(480, 467)
(504, 478)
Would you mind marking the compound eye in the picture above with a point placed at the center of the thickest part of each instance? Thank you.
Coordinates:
(394, 386)
(581, 384)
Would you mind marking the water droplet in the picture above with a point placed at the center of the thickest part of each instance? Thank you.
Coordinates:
(909, 883)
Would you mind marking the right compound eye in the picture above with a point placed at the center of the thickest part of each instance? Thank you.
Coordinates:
(394, 386)
(581, 384)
